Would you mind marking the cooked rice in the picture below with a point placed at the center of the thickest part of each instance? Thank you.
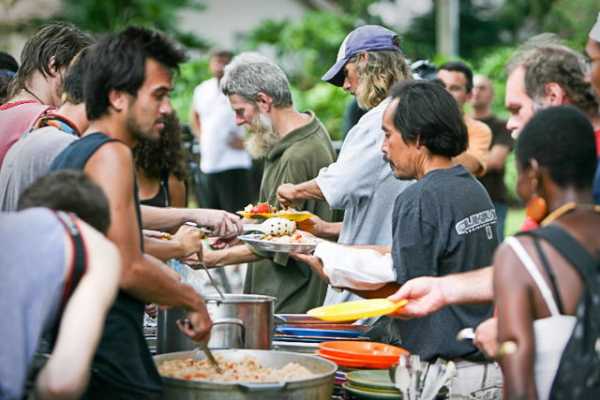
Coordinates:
(248, 370)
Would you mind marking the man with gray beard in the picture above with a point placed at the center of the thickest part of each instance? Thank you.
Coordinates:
(295, 146)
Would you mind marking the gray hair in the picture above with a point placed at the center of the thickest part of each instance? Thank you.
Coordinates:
(251, 73)
(541, 40)
(563, 66)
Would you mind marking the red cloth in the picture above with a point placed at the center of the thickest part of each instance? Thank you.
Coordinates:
(598, 142)
(15, 119)
(529, 225)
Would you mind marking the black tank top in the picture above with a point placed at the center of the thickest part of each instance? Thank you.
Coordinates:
(122, 364)
(161, 199)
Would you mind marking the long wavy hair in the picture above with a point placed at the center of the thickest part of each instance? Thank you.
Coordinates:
(164, 154)
(377, 72)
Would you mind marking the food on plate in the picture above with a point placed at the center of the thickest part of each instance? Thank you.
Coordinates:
(265, 210)
(247, 370)
(294, 238)
(279, 227)
(260, 208)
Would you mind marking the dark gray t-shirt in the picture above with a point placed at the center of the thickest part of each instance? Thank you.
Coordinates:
(31, 287)
(27, 160)
(443, 224)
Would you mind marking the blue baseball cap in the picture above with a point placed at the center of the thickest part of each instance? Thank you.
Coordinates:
(364, 38)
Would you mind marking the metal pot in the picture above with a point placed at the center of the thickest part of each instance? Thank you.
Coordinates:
(239, 321)
(318, 387)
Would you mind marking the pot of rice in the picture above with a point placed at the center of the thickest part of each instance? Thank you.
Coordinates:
(246, 374)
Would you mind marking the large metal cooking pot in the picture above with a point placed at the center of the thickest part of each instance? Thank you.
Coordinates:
(318, 387)
(239, 321)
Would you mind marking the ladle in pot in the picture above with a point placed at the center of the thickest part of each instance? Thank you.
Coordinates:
(204, 346)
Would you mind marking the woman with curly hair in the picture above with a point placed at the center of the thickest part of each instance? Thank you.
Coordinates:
(161, 173)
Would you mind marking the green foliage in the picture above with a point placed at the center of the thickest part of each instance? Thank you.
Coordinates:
(493, 65)
(328, 102)
(112, 15)
(572, 20)
(190, 75)
(305, 48)
(479, 31)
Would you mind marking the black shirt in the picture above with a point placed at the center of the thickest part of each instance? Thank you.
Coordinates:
(122, 367)
(493, 181)
(445, 223)
(160, 199)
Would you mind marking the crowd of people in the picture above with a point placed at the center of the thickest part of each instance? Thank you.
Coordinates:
(92, 166)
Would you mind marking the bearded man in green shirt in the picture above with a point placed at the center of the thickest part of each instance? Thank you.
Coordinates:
(295, 146)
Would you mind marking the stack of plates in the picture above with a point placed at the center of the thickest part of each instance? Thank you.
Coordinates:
(295, 347)
(301, 333)
(359, 354)
(284, 333)
(371, 384)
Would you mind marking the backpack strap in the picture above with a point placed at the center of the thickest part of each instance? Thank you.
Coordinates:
(78, 259)
(533, 271)
(546, 265)
(571, 250)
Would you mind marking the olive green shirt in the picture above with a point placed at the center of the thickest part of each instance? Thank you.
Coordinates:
(297, 158)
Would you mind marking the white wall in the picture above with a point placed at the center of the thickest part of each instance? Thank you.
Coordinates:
(221, 20)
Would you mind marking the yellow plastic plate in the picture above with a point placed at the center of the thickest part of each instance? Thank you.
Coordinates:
(353, 310)
(297, 216)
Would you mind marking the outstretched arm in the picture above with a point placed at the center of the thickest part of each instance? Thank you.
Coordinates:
(229, 256)
(429, 294)
(221, 222)
(289, 193)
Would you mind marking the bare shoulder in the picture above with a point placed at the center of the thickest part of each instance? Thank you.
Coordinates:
(111, 167)
(508, 269)
(113, 152)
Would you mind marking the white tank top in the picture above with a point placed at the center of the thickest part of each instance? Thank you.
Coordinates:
(551, 333)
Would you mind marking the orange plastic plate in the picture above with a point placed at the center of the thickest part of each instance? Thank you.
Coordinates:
(358, 350)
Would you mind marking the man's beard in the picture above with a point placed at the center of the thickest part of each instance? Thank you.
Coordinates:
(137, 132)
(262, 136)
(361, 94)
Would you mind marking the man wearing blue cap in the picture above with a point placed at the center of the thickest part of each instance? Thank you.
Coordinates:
(360, 182)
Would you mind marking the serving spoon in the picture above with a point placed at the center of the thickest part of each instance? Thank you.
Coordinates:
(203, 345)
(211, 358)
(212, 281)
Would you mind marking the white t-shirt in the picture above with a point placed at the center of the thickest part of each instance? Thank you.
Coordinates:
(217, 120)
